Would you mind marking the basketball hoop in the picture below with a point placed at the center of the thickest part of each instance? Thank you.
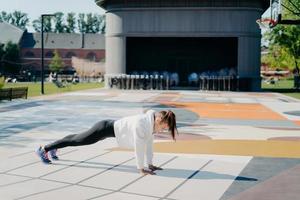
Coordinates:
(266, 23)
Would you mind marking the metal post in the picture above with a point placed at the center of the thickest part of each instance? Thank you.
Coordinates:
(42, 67)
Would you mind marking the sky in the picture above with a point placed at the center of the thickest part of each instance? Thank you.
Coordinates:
(34, 8)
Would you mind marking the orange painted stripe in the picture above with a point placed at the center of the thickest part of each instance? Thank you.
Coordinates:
(297, 122)
(229, 111)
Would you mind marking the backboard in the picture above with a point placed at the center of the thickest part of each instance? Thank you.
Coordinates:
(274, 15)
(275, 11)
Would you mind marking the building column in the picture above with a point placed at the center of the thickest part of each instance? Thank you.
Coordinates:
(249, 61)
(115, 56)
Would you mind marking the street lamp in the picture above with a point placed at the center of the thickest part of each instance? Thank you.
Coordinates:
(42, 70)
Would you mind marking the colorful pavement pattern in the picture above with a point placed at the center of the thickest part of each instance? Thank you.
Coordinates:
(231, 146)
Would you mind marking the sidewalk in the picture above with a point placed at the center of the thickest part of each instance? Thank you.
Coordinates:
(231, 146)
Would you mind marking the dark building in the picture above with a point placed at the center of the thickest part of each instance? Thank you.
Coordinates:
(184, 36)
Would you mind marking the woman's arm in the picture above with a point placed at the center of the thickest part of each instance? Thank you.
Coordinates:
(149, 151)
(139, 150)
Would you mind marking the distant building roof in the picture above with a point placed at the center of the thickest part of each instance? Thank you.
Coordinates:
(64, 41)
(94, 41)
(10, 32)
(104, 3)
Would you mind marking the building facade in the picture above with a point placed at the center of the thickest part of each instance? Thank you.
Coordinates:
(184, 36)
(85, 46)
(90, 47)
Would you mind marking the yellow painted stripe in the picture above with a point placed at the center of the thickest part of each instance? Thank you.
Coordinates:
(257, 148)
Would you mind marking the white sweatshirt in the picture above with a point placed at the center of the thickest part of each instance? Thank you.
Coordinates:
(137, 132)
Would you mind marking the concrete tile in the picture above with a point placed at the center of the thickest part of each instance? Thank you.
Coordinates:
(124, 196)
(173, 174)
(86, 169)
(27, 188)
(243, 100)
(282, 107)
(79, 154)
(122, 175)
(137, 97)
(15, 162)
(37, 170)
(71, 192)
(9, 179)
(211, 182)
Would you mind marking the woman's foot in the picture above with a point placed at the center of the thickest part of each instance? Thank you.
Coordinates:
(43, 155)
(53, 154)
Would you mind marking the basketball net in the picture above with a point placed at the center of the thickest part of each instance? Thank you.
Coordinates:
(266, 23)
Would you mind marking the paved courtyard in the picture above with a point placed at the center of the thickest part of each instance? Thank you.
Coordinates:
(231, 146)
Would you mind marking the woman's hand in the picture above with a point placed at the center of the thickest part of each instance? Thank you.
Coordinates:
(153, 168)
(146, 172)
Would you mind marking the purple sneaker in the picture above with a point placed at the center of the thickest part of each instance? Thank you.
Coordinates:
(43, 155)
(53, 154)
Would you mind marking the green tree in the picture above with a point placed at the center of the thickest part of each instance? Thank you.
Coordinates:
(17, 18)
(1, 56)
(2, 81)
(102, 23)
(5, 17)
(60, 27)
(56, 63)
(91, 23)
(284, 40)
(71, 23)
(11, 59)
(81, 23)
(278, 58)
(288, 38)
(37, 24)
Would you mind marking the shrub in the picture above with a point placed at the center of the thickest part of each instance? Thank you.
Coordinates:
(2, 81)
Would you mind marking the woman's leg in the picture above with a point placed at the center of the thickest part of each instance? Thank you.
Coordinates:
(99, 131)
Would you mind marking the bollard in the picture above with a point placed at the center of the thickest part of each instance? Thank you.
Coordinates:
(137, 82)
(219, 83)
(151, 82)
(146, 82)
(123, 82)
(156, 81)
(142, 81)
(161, 79)
(132, 81)
(128, 82)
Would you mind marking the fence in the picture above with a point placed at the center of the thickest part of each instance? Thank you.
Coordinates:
(161, 82)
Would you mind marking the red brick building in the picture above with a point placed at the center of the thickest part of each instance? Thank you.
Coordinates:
(68, 45)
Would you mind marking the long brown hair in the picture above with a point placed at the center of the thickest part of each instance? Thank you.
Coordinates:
(169, 118)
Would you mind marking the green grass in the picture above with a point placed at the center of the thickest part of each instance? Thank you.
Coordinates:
(34, 89)
(295, 95)
(284, 86)
(281, 84)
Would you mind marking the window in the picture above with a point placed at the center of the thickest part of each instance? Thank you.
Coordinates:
(70, 55)
(29, 54)
(49, 54)
(91, 56)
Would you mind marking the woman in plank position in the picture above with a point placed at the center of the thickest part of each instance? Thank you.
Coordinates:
(130, 132)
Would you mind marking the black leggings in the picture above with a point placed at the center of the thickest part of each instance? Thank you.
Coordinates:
(99, 131)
